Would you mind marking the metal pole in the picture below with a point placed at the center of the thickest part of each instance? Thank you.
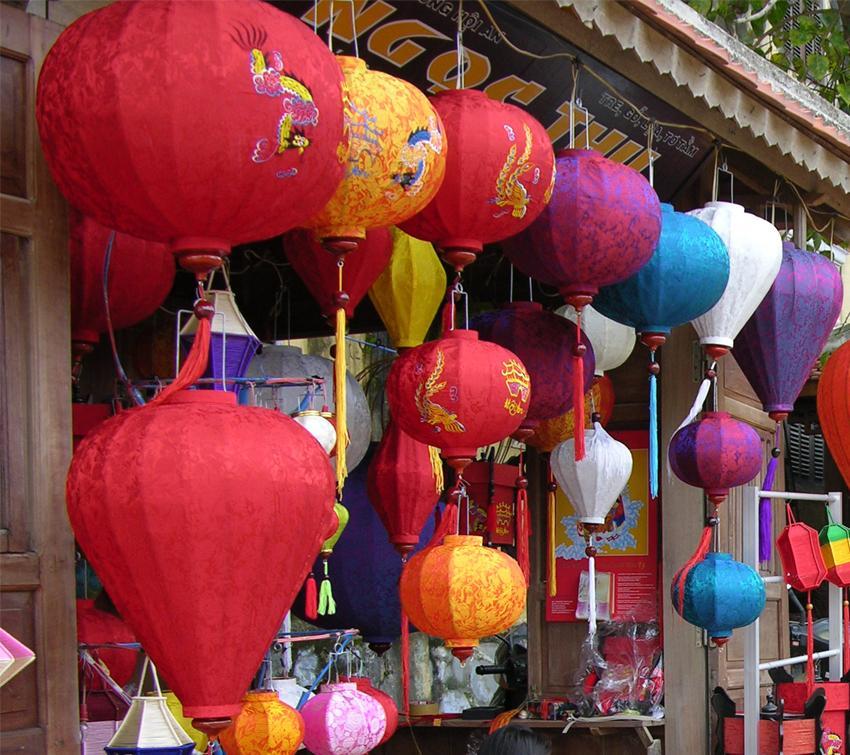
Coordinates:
(786, 496)
(751, 633)
(836, 625)
(794, 660)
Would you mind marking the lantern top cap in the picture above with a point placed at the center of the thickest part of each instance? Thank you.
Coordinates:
(790, 246)
(308, 413)
(528, 306)
(259, 695)
(338, 687)
(203, 397)
(350, 64)
(455, 541)
(575, 152)
(731, 206)
(469, 93)
(462, 334)
(718, 556)
(667, 207)
(718, 415)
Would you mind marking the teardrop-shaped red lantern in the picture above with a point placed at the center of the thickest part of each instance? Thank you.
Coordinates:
(203, 124)
(180, 506)
(403, 486)
(141, 274)
(546, 344)
(834, 407)
(458, 393)
(319, 270)
(499, 176)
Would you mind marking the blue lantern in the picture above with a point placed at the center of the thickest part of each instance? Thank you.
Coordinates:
(720, 594)
(365, 569)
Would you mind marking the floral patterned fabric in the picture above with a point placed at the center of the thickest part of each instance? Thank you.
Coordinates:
(341, 720)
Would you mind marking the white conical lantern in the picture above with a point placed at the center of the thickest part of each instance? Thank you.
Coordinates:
(14, 656)
(755, 255)
(594, 483)
(319, 427)
(612, 341)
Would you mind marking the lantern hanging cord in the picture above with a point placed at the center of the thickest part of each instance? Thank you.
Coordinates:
(461, 53)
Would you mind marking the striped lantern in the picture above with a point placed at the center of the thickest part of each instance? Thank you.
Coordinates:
(834, 541)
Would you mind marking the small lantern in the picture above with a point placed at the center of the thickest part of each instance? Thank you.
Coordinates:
(342, 720)
(319, 426)
(265, 726)
(719, 595)
(364, 684)
(612, 341)
(835, 549)
(290, 691)
(14, 656)
(461, 591)
(799, 551)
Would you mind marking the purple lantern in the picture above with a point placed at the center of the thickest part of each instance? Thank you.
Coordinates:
(781, 342)
(365, 569)
(545, 343)
(232, 342)
(716, 453)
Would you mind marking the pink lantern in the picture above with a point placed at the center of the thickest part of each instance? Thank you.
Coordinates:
(342, 720)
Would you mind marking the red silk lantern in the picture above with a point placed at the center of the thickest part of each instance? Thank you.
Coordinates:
(834, 407)
(364, 684)
(178, 505)
(141, 274)
(96, 627)
(201, 124)
(404, 485)
(499, 176)
(458, 393)
(319, 270)
(799, 551)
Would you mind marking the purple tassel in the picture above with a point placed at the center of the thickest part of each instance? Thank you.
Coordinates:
(765, 509)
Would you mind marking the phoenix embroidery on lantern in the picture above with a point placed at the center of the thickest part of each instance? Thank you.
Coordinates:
(296, 100)
(430, 411)
(518, 384)
(365, 139)
(413, 159)
(511, 193)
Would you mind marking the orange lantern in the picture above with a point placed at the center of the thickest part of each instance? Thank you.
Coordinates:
(461, 591)
(265, 726)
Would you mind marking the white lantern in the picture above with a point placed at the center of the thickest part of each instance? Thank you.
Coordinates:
(594, 483)
(755, 255)
(612, 341)
(290, 691)
(319, 427)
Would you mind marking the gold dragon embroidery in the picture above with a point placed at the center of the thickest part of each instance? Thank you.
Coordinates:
(510, 191)
(430, 411)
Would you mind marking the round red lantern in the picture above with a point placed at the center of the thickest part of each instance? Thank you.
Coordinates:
(834, 407)
(499, 176)
(404, 485)
(364, 684)
(201, 124)
(178, 505)
(458, 393)
(141, 274)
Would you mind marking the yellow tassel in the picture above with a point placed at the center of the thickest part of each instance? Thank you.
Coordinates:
(339, 400)
(553, 576)
(437, 467)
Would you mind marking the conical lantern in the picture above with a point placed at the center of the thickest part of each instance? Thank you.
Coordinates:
(201, 156)
(151, 497)
(612, 341)
(834, 407)
(233, 343)
(408, 293)
(404, 485)
(458, 393)
(264, 726)
(395, 161)
(755, 254)
(342, 720)
(277, 360)
(719, 594)
(461, 591)
(545, 343)
(781, 342)
(320, 427)
(364, 684)
(14, 656)
(716, 453)
(141, 274)
(499, 176)
(176, 708)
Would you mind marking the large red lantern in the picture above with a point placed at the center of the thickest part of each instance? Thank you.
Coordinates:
(404, 485)
(141, 274)
(458, 393)
(499, 176)
(201, 124)
(834, 407)
(202, 519)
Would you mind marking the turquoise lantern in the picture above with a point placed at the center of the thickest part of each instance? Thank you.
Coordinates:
(718, 594)
(685, 278)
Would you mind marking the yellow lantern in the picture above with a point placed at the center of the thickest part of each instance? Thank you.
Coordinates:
(265, 726)
(396, 156)
(461, 591)
(409, 291)
(176, 707)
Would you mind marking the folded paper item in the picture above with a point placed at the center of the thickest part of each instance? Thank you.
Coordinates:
(604, 596)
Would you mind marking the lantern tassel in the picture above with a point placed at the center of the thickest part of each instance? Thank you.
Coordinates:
(327, 604)
(846, 630)
(551, 515)
(196, 363)
(681, 576)
(311, 602)
(339, 398)
(653, 433)
(522, 522)
(578, 391)
(436, 468)
(810, 647)
(766, 505)
(405, 662)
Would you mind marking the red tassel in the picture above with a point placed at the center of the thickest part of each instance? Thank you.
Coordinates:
(311, 598)
(578, 391)
(195, 364)
(405, 663)
(846, 631)
(699, 554)
(445, 525)
(810, 647)
(522, 520)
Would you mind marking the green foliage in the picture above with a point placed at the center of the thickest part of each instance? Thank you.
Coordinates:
(778, 34)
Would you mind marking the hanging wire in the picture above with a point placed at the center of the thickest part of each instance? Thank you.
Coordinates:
(331, 28)
(650, 136)
(354, 29)
(461, 53)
